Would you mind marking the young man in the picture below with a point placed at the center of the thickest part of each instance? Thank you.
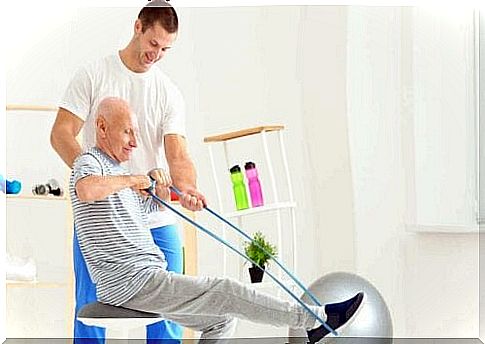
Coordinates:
(131, 74)
(129, 270)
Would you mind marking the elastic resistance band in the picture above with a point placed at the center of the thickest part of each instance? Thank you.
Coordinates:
(224, 242)
(240, 231)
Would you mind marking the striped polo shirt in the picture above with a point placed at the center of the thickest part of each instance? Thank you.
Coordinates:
(113, 234)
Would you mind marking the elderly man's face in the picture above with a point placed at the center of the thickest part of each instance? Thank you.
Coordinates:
(121, 137)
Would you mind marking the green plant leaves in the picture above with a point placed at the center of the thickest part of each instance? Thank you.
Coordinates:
(260, 250)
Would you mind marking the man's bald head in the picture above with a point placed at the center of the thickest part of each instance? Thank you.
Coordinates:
(113, 107)
(116, 128)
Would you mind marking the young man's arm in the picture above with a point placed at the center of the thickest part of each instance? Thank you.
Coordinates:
(63, 136)
(182, 171)
(96, 188)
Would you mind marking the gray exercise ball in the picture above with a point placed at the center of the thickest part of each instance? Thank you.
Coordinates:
(371, 324)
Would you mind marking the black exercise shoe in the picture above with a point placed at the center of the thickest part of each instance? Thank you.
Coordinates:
(337, 315)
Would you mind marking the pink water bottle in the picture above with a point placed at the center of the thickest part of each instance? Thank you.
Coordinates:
(254, 184)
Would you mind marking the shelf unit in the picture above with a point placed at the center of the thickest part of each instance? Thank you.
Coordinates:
(46, 279)
(277, 206)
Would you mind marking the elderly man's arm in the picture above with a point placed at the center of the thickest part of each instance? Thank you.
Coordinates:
(96, 188)
(182, 171)
(63, 136)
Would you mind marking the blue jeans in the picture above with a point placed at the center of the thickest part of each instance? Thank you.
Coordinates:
(168, 240)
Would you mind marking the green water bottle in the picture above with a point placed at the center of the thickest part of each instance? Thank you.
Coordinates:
(239, 188)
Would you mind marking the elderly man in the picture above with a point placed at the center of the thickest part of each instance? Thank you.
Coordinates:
(110, 212)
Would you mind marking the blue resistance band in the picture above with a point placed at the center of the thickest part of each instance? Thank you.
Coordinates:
(240, 231)
(224, 242)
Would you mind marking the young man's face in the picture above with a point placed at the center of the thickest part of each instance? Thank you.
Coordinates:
(151, 45)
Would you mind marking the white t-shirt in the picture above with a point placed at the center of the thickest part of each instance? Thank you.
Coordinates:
(156, 101)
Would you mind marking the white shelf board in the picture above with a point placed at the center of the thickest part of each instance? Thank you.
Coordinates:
(34, 197)
(442, 229)
(262, 209)
(46, 277)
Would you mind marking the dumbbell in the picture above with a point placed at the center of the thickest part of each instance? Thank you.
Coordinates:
(52, 187)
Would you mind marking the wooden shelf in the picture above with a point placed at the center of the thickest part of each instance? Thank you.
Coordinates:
(22, 107)
(34, 197)
(262, 209)
(242, 133)
(36, 284)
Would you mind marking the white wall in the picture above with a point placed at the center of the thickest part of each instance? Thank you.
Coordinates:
(324, 97)
(270, 73)
(271, 65)
(482, 175)
(430, 281)
(241, 67)
(244, 78)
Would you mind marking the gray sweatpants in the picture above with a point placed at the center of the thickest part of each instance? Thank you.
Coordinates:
(210, 304)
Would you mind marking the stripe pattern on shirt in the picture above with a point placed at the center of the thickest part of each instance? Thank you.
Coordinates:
(113, 234)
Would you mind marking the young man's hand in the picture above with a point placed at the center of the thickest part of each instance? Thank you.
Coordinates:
(192, 199)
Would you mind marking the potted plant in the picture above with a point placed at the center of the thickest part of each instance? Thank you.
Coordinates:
(260, 251)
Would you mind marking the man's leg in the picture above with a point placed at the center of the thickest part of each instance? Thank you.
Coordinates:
(204, 303)
(167, 238)
(85, 291)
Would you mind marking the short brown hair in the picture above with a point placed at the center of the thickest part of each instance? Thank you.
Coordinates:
(161, 12)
